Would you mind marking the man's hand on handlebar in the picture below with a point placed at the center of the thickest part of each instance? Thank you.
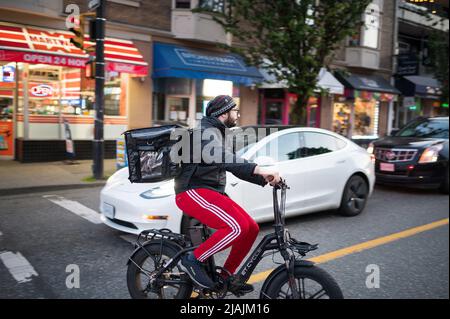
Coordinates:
(270, 175)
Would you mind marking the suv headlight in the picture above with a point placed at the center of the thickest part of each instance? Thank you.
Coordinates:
(430, 154)
(163, 190)
(370, 148)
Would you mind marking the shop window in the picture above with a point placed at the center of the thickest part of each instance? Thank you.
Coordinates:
(366, 118)
(182, 4)
(178, 109)
(341, 119)
(212, 5)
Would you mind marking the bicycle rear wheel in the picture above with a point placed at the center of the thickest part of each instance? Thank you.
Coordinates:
(312, 282)
(172, 284)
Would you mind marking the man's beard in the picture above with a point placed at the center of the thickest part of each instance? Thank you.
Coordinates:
(230, 123)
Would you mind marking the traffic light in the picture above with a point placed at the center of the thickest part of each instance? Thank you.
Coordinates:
(78, 31)
(90, 69)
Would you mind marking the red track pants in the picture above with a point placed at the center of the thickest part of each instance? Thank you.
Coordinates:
(234, 226)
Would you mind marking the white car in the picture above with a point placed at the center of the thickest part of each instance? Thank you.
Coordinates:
(324, 170)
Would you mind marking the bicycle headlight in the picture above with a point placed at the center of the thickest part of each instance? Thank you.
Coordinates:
(164, 190)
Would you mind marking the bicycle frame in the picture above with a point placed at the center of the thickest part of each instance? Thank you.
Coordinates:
(278, 240)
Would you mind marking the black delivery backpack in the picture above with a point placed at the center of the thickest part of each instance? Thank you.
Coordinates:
(148, 153)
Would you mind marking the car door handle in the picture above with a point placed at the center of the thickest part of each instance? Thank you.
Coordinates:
(340, 162)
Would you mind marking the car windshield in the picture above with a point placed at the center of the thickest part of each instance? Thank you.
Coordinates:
(431, 128)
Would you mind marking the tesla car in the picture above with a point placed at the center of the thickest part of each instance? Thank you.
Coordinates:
(415, 156)
(325, 171)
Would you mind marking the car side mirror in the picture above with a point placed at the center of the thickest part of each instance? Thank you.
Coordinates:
(264, 161)
(394, 131)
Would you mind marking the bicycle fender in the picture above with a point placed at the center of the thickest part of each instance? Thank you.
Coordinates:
(157, 243)
(280, 269)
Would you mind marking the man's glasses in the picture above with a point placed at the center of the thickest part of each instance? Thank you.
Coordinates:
(238, 112)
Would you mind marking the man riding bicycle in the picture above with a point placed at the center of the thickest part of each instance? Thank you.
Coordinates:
(200, 193)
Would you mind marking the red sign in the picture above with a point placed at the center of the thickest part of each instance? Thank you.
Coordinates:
(38, 45)
(30, 57)
(41, 90)
(6, 139)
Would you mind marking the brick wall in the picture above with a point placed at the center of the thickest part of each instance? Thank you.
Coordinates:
(153, 14)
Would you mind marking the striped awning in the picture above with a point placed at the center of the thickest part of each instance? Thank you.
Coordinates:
(19, 43)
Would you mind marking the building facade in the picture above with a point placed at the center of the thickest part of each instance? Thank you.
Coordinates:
(164, 65)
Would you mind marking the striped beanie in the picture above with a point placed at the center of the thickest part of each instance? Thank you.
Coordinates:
(220, 105)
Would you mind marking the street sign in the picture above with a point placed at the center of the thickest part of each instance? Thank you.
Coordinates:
(93, 4)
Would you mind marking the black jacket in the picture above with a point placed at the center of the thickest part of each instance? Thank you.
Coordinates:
(213, 175)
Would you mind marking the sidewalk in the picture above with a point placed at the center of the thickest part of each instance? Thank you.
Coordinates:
(18, 178)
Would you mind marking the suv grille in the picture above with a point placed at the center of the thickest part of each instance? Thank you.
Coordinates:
(395, 154)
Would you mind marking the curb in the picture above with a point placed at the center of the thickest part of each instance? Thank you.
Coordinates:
(46, 188)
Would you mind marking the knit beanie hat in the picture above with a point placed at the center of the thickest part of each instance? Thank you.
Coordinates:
(220, 105)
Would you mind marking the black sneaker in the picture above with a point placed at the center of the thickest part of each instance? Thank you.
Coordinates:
(196, 272)
(238, 288)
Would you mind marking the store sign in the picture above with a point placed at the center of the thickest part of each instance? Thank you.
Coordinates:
(409, 102)
(93, 4)
(45, 46)
(192, 58)
(18, 56)
(41, 90)
(7, 73)
(407, 64)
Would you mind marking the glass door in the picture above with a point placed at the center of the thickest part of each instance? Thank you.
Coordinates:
(6, 123)
(272, 111)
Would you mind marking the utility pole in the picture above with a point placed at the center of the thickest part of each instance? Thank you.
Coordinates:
(98, 143)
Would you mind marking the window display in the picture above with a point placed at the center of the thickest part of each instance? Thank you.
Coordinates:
(366, 118)
(341, 119)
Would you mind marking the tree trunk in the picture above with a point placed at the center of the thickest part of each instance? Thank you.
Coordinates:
(298, 115)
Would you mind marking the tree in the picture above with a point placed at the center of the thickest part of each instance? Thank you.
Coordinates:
(439, 54)
(292, 39)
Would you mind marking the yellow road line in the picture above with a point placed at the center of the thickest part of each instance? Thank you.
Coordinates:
(360, 247)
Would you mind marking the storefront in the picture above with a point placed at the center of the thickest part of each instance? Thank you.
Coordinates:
(362, 112)
(276, 102)
(44, 83)
(186, 79)
(420, 97)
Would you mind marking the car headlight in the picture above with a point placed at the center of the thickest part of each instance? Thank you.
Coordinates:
(163, 190)
(370, 148)
(430, 154)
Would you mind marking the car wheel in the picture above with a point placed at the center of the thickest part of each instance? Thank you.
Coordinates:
(444, 186)
(355, 196)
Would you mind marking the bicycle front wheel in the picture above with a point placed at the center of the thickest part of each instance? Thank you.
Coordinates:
(312, 283)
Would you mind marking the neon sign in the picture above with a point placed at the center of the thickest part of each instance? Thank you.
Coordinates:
(41, 90)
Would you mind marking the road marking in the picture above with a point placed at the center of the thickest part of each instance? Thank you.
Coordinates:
(18, 266)
(76, 208)
(360, 247)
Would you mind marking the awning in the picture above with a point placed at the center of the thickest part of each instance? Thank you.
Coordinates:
(39, 45)
(420, 86)
(325, 80)
(371, 83)
(180, 62)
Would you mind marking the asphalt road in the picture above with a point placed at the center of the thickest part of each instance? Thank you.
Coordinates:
(42, 245)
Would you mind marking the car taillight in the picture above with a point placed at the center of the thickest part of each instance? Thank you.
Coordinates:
(430, 154)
